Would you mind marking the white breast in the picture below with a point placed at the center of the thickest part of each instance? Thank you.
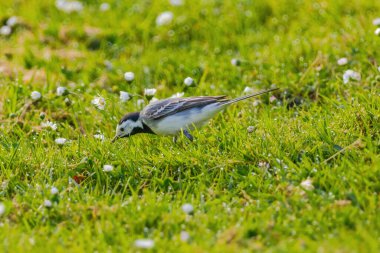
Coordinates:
(186, 120)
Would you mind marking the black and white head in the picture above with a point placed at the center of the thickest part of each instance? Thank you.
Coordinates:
(130, 125)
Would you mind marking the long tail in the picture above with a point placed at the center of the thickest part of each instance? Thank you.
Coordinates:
(248, 96)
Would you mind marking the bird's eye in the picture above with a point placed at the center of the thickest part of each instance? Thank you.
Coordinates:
(122, 129)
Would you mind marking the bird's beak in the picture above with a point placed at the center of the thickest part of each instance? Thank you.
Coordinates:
(114, 139)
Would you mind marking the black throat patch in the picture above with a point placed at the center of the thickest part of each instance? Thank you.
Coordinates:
(139, 130)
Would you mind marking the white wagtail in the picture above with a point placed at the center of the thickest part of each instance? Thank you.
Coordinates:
(175, 115)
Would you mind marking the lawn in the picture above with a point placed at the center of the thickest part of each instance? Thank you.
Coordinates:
(297, 170)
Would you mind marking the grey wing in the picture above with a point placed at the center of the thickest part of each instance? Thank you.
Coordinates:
(171, 106)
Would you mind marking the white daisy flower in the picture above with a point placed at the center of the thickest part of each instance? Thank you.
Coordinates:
(250, 129)
(178, 95)
(248, 90)
(376, 22)
(99, 136)
(5, 30)
(188, 81)
(150, 92)
(351, 75)
(129, 76)
(2, 208)
(164, 18)
(342, 61)
(377, 31)
(176, 2)
(69, 6)
(187, 208)
(60, 141)
(35, 95)
(60, 4)
(99, 102)
(47, 203)
(61, 91)
(49, 124)
(307, 185)
(185, 236)
(107, 168)
(104, 7)
(263, 165)
(74, 6)
(144, 243)
(124, 96)
(54, 190)
(12, 21)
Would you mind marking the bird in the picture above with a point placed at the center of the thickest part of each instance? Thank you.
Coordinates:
(173, 116)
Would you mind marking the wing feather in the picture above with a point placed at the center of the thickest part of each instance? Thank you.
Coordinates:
(164, 108)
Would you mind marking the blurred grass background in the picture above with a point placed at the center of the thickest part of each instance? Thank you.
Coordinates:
(246, 188)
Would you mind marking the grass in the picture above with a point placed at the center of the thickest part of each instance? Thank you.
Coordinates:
(306, 178)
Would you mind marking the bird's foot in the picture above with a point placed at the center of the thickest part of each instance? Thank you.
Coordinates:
(188, 135)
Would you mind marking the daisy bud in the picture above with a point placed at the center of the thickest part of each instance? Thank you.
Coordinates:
(129, 76)
(164, 18)
(188, 81)
(187, 208)
(35, 95)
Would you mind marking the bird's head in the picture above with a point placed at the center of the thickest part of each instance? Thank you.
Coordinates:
(129, 125)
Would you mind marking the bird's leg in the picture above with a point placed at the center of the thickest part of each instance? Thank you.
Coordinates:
(188, 135)
(175, 137)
